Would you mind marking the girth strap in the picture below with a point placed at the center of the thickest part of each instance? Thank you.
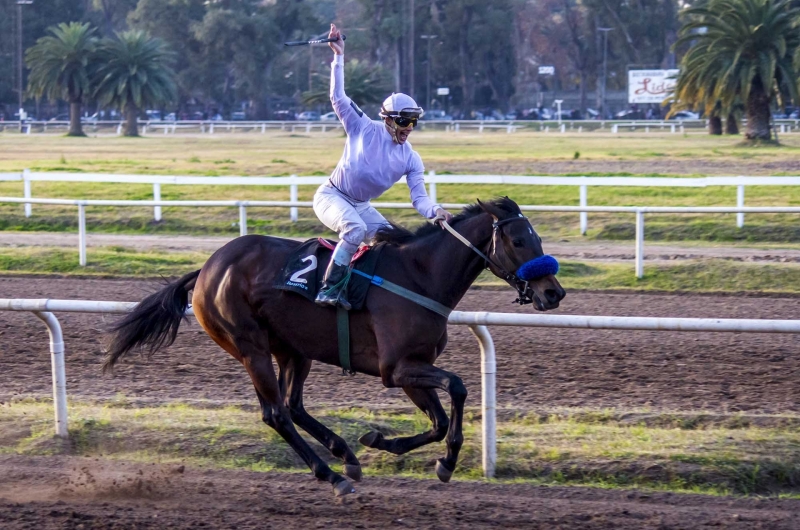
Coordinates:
(343, 330)
(425, 302)
(343, 317)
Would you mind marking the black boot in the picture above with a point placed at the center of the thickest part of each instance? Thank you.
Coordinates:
(334, 287)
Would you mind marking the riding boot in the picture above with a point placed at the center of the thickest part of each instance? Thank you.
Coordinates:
(334, 285)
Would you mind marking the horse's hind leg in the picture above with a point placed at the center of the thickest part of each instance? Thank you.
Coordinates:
(275, 414)
(293, 373)
(428, 402)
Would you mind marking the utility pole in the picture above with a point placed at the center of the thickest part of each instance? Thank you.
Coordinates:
(605, 50)
(20, 3)
(428, 38)
(411, 50)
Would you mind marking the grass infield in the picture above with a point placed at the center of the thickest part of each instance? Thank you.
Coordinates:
(691, 276)
(282, 153)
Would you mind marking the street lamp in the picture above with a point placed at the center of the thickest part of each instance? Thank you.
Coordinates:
(605, 49)
(428, 38)
(20, 3)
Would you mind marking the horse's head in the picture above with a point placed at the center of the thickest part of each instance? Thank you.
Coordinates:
(517, 257)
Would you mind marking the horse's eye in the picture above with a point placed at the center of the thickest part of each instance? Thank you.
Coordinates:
(518, 242)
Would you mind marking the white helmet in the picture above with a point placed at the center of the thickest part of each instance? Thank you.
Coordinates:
(401, 105)
(404, 112)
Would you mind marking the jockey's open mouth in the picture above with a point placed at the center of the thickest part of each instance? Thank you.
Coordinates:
(403, 133)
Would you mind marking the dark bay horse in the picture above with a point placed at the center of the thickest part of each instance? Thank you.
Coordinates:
(392, 338)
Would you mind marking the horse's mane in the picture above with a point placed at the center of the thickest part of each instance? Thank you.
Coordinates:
(398, 235)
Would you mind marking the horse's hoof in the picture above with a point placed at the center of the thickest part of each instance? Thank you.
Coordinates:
(353, 471)
(343, 488)
(371, 439)
(442, 472)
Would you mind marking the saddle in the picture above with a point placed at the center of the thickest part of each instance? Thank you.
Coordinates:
(305, 269)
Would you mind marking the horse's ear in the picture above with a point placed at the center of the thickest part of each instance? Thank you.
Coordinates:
(489, 208)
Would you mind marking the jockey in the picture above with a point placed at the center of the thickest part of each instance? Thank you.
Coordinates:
(376, 155)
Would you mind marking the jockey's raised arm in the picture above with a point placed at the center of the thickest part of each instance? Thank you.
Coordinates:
(348, 112)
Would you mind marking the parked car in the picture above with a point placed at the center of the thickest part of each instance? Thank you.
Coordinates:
(153, 115)
(171, 117)
(60, 117)
(685, 115)
(283, 115)
(238, 116)
(329, 116)
(436, 114)
(308, 115)
(630, 114)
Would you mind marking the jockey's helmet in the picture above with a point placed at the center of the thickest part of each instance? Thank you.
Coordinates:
(399, 112)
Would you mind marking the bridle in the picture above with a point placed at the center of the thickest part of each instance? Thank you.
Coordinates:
(523, 298)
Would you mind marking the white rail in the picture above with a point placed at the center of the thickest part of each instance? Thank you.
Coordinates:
(432, 179)
(477, 322)
(243, 205)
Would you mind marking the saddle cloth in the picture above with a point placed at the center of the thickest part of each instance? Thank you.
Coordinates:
(305, 269)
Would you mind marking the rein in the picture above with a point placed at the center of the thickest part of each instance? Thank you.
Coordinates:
(522, 298)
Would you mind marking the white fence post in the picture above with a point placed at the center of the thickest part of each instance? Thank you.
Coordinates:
(432, 186)
(488, 399)
(584, 215)
(59, 373)
(639, 242)
(157, 197)
(740, 204)
(26, 190)
(293, 198)
(242, 219)
(82, 234)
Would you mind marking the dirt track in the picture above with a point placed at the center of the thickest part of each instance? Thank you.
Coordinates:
(76, 493)
(537, 368)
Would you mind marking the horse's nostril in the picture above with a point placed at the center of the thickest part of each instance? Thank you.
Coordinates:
(552, 295)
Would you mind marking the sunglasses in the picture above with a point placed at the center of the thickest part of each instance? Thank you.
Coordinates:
(405, 122)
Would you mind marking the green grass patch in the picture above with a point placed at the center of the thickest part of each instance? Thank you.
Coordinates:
(688, 276)
(596, 449)
(693, 276)
(113, 261)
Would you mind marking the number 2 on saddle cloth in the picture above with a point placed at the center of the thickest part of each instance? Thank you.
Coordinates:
(303, 274)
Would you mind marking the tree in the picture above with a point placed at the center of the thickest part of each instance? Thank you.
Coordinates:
(365, 84)
(745, 49)
(59, 66)
(134, 73)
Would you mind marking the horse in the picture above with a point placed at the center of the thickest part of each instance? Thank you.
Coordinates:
(235, 301)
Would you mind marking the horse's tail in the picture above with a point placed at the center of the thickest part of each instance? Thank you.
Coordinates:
(154, 323)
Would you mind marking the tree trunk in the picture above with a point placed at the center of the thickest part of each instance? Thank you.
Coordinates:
(715, 125)
(731, 127)
(75, 128)
(131, 121)
(758, 114)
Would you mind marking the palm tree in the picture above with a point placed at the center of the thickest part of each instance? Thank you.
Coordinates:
(743, 49)
(133, 73)
(59, 66)
(365, 83)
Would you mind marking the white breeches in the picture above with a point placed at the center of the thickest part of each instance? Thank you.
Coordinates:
(355, 222)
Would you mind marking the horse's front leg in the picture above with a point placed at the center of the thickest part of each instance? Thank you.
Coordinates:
(428, 402)
(415, 374)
